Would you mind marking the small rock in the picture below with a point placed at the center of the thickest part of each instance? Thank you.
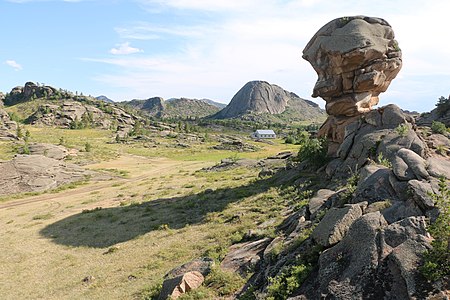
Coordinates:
(180, 285)
(88, 279)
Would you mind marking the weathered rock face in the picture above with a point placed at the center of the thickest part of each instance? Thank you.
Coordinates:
(66, 114)
(34, 173)
(260, 97)
(355, 58)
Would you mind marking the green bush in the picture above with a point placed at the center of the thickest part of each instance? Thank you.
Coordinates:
(437, 260)
(402, 129)
(87, 147)
(438, 127)
(290, 279)
(314, 151)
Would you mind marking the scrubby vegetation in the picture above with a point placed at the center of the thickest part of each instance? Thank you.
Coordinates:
(437, 260)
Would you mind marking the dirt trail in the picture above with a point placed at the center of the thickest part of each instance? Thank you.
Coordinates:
(161, 167)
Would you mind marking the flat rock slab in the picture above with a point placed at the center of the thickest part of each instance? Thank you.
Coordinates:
(35, 173)
(244, 256)
(202, 265)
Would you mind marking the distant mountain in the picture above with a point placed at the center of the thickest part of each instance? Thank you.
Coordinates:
(257, 100)
(174, 107)
(209, 101)
(104, 98)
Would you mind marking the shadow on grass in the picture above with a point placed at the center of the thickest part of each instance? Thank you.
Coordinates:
(105, 227)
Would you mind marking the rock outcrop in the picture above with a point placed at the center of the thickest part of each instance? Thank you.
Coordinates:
(36, 173)
(355, 58)
(8, 128)
(29, 91)
(260, 97)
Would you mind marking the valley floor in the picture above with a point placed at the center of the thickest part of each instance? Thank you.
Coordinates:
(113, 239)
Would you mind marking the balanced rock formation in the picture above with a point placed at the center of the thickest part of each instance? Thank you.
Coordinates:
(260, 97)
(355, 58)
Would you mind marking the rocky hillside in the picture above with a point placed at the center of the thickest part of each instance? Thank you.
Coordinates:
(260, 98)
(47, 106)
(174, 108)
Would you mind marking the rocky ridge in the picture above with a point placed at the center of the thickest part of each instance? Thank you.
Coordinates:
(174, 108)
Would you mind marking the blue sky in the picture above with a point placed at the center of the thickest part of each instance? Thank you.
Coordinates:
(207, 49)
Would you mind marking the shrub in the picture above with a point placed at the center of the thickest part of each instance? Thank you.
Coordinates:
(383, 161)
(26, 149)
(437, 260)
(314, 151)
(438, 127)
(402, 129)
(290, 279)
(87, 147)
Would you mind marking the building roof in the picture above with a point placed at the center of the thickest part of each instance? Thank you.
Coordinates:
(266, 131)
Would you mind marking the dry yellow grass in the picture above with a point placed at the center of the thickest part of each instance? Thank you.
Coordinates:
(151, 221)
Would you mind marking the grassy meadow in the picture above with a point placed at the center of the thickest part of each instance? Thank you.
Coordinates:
(116, 238)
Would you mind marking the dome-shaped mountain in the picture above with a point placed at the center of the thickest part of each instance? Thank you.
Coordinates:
(260, 97)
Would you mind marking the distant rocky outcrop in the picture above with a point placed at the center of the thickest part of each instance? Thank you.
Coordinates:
(104, 99)
(67, 114)
(260, 97)
(28, 92)
(440, 114)
(174, 108)
(355, 58)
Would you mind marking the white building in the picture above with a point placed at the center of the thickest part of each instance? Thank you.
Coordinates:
(264, 134)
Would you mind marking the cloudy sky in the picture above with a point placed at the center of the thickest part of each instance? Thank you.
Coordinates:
(207, 48)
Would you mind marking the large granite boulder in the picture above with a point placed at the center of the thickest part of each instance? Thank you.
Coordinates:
(355, 58)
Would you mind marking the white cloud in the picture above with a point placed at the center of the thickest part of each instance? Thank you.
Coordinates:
(124, 48)
(13, 64)
(147, 31)
(252, 39)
